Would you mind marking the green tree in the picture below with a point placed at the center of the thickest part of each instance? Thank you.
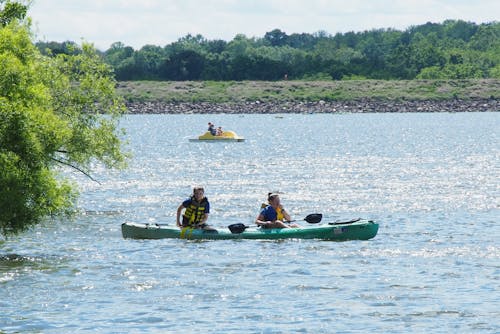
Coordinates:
(185, 65)
(453, 48)
(122, 59)
(117, 53)
(459, 29)
(11, 11)
(54, 48)
(486, 37)
(148, 61)
(276, 37)
(51, 117)
(301, 41)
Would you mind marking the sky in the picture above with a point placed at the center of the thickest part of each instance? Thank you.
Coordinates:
(160, 22)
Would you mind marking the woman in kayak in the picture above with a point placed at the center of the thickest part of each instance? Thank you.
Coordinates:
(274, 215)
(197, 210)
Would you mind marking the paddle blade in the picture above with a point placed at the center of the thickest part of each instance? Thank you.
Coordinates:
(314, 218)
(237, 228)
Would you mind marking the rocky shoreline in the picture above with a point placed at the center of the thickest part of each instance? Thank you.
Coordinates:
(362, 106)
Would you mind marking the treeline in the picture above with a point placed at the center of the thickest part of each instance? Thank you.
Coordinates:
(453, 49)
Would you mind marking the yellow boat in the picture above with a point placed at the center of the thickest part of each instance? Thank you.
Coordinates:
(226, 136)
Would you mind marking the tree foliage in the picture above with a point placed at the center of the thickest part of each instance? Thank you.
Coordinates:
(51, 116)
(11, 11)
(451, 49)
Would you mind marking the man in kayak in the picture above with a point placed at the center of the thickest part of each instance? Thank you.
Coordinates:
(274, 215)
(197, 210)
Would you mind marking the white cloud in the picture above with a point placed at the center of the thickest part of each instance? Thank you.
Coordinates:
(138, 23)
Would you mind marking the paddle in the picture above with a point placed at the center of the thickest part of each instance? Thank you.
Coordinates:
(237, 228)
(312, 218)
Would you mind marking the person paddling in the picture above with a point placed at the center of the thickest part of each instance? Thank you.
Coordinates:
(274, 215)
(197, 210)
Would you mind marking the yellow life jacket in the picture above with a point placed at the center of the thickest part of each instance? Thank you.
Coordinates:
(194, 212)
(279, 214)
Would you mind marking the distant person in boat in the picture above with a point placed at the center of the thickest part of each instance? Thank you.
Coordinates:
(274, 215)
(219, 131)
(211, 128)
(197, 209)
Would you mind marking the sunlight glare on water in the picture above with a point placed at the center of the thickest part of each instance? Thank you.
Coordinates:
(430, 180)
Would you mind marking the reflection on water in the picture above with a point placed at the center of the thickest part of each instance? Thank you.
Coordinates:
(430, 180)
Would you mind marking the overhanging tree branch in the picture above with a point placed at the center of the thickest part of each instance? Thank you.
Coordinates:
(75, 167)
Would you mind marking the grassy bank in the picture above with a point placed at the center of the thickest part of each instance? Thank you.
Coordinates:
(268, 91)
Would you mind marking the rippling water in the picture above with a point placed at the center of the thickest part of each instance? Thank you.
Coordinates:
(430, 180)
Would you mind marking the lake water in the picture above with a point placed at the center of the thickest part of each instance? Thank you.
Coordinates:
(430, 180)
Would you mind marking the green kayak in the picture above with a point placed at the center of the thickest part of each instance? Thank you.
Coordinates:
(358, 229)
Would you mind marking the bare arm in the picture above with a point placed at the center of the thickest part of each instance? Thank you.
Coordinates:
(179, 210)
(286, 216)
(260, 220)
